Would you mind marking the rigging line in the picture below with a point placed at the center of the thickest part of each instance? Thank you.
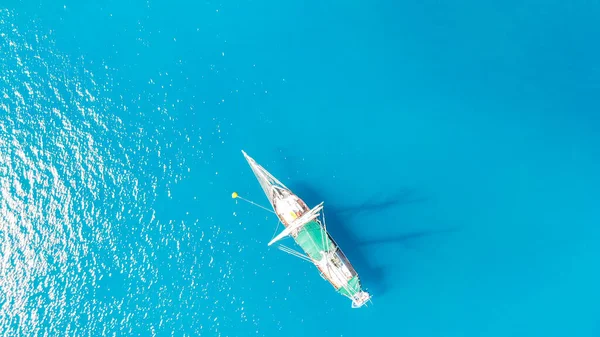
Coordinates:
(336, 273)
(320, 229)
(296, 254)
(323, 231)
(309, 221)
(325, 226)
(277, 228)
(293, 253)
(255, 204)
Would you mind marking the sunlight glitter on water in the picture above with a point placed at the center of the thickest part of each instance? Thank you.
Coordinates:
(82, 242)
(54, 178)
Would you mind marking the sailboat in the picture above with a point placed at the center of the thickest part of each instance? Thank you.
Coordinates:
(308, 229)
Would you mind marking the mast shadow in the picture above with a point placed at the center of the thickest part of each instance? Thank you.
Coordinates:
(405, 237)
(380, 202)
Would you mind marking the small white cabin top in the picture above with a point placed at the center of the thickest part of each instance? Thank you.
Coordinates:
(289, 208)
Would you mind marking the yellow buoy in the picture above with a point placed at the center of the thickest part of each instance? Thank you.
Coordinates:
(234, 195)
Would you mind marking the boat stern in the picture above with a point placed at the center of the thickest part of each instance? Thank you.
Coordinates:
(360, 299)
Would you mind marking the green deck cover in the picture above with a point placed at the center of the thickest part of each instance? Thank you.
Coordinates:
(353, 287)
(313, 239)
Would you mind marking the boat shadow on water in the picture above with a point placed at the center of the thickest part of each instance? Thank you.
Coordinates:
(373, 276)
(341, 219)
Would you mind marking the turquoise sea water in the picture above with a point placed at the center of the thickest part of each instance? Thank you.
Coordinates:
(455, 145)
